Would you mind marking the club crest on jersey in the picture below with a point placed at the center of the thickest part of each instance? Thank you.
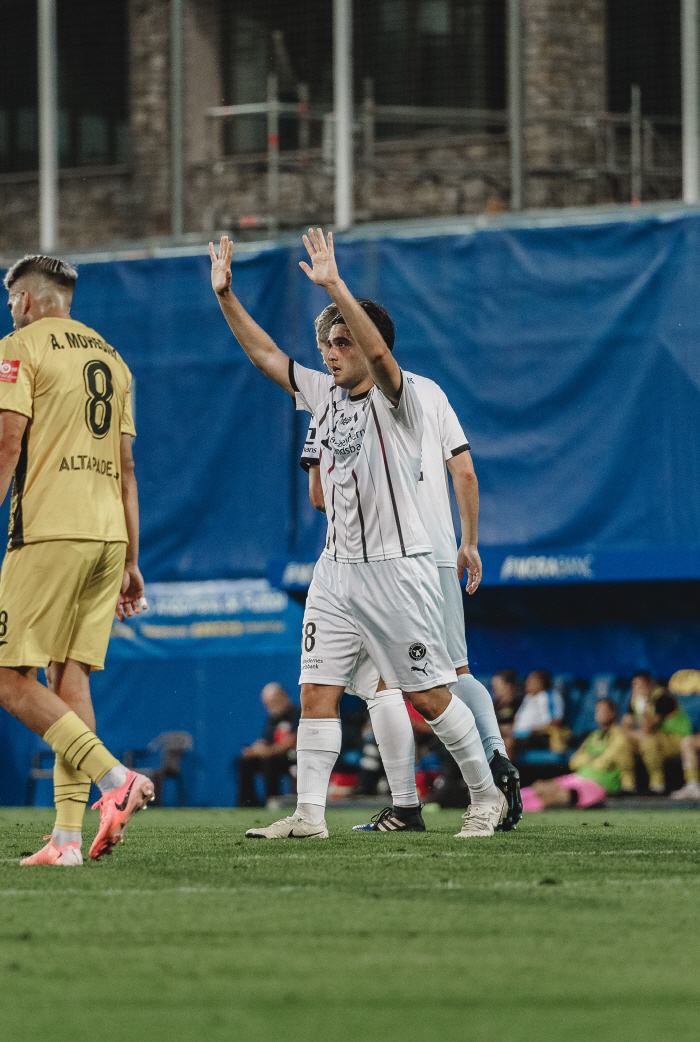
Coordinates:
(417, 651)
(9, 372)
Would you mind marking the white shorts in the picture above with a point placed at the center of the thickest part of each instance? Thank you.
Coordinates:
(388, 611)
(454, 617)
(366, 675)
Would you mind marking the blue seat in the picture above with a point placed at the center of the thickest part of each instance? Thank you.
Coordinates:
(602, 686)
(542, 756)
(572, 689)
(691, 706)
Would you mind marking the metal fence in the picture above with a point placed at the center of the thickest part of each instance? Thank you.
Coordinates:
(622, 157)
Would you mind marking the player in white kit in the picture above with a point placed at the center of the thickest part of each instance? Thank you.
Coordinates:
(376, 587)
(443, 443)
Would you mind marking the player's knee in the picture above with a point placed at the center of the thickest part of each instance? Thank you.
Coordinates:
(319, 700)
(430, 704)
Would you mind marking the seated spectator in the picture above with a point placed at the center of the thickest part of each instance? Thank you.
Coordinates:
(537, 722)
(641, 693)
(686, 683)
(690, 757)
(505, 688)
(665, 725)
(272, 754)
(604, 764)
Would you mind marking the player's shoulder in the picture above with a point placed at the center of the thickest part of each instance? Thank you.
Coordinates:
(427, 389)
(7, 342)
(325, 379)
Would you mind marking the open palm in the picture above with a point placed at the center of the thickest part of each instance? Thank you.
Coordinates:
(323, 270)
(221, 265)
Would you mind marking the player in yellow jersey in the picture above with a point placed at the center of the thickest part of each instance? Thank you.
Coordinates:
(72, 558)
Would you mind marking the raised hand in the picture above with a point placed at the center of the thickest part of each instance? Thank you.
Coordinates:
(221, 265)
(323, 270)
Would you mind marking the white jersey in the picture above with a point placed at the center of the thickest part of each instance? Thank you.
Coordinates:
(443, 438)
(370, 460)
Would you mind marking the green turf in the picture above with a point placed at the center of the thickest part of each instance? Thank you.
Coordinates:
(568, 929)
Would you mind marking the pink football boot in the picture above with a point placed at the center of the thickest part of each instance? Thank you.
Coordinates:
(69, 854)
(116, 808)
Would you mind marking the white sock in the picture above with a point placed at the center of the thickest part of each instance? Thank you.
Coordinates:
(113, 779)
(476, 697)
(63, 836)
(392, 729)
(318, 746)
(457, 731)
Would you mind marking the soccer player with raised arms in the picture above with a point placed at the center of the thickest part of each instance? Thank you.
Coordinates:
(376, 586)
(444, 447)
(72, 559)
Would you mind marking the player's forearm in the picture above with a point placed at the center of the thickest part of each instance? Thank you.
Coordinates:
(257, 344)
(316, 489)
(130, 499)
(466, 488)
(383, 367)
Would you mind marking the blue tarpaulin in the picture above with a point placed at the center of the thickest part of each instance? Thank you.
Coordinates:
(571, 356)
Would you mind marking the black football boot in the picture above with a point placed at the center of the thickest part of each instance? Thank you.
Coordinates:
(507, 779)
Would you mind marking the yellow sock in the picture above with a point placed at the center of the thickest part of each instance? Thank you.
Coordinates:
(70, 738)
(691, 774)
(71, 791)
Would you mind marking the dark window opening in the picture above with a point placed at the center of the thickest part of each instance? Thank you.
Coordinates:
(644, 47)
(93, 104)
(447, 53)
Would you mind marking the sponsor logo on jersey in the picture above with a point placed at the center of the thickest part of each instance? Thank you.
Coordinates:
(9, 372)
(346, 444)
(99, 466)
(417, 651)
(311, 663)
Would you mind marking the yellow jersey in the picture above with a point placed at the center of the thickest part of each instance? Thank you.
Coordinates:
(76, 392)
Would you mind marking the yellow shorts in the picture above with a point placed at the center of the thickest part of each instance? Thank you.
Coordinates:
(57, 601)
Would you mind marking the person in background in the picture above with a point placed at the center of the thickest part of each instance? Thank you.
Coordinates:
(642, 691)
(272, 754)
(665, 725)
(541, 711)
(685, 683)
(505, 688)
(603, 765)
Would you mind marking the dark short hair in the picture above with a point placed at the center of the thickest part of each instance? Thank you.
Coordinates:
(545, 678)
(508, 676)
(645, 675)
(381, 318)
(665, 703)
(54, 269)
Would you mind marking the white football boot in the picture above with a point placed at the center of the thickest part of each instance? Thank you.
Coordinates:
(293, 827)
(482, 820)
(690, 791)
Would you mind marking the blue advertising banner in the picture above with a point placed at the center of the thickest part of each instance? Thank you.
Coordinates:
(196, 661)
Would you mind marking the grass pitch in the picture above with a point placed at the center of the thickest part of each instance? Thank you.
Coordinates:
(569, 929)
